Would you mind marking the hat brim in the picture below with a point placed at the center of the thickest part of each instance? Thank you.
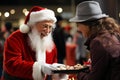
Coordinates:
(86, 18)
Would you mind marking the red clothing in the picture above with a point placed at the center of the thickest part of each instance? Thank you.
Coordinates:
(19, 57)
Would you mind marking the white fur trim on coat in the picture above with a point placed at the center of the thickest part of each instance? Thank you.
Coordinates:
(37, 73)
(41, 56)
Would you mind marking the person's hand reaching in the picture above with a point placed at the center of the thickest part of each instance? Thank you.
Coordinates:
(56, 65)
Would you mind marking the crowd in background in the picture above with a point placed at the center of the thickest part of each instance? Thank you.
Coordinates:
(5, 31)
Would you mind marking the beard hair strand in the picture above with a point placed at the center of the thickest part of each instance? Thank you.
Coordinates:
(37, 43)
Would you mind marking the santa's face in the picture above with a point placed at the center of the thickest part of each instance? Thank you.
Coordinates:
(44, 27)
(40, 35)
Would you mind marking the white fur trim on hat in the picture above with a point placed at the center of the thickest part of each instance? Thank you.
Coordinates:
(42, 15)
(24, 28)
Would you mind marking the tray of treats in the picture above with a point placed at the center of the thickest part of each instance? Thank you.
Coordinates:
(70, 69)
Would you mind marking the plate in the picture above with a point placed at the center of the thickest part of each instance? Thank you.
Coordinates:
(71, 71)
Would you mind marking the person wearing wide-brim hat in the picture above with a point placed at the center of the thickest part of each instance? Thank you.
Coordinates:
(103, 41)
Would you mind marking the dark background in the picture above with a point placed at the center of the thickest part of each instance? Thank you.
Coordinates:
(37, 2)
(110, 7)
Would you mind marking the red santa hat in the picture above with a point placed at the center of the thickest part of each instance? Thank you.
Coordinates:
(37, 14)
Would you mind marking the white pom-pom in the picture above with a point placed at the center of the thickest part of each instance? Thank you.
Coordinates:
(24, 28)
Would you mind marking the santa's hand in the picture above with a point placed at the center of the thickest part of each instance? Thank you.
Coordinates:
(46, 69)
(56, 65)
(60, 77)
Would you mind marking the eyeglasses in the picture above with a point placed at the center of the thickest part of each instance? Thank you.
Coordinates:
(45, 26)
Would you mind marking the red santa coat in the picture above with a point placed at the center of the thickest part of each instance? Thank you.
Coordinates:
(19, 57)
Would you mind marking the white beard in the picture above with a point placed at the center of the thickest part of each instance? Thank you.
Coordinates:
(40, 44)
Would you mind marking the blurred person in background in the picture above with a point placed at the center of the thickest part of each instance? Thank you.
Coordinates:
(68, 36)
(81, 51)
(1, 52)
(6, 29)
(59, 39)
(29, 53)
(5, 32)
(15, 28)
(103, 41)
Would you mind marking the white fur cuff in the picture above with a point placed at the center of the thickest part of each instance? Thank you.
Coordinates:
(37, 74)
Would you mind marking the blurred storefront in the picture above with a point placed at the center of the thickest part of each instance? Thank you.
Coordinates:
(111, 8)
(15, 10)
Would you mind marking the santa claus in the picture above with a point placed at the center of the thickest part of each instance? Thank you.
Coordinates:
(29, 53)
